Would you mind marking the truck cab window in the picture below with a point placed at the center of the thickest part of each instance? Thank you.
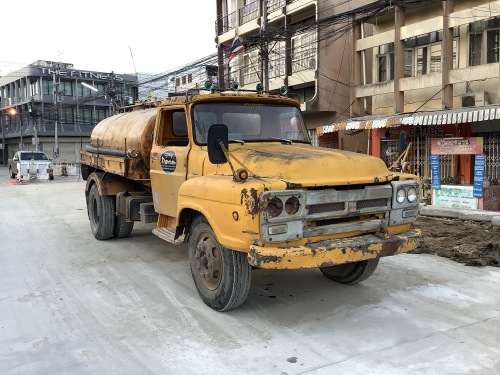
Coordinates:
(174, 129)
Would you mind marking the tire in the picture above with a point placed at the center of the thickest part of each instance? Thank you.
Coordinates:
(221, 276)
(101, 211)
(351, 273)
(12, 174)
(123, 228)
(51, 176)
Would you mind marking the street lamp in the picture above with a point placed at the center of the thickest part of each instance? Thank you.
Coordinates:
(89, 86)
(12, 112)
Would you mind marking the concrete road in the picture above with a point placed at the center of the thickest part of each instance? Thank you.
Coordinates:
(70, 304)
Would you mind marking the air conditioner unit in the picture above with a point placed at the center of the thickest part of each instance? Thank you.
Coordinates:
(475, 99)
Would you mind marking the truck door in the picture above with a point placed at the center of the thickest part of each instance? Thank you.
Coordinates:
(169, 159)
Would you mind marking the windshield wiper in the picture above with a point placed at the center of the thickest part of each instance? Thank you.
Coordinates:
(237, 141)
(282, 140)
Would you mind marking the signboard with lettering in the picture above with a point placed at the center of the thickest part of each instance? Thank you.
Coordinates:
(479, 175)
(457, 146)
(455, 196)
(435, 172)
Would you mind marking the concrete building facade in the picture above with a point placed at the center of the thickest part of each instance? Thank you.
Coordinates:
(37, 97)
(435, 80)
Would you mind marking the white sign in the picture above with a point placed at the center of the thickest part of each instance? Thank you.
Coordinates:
(454, 196)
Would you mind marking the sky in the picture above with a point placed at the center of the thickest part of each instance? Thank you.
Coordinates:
(100, 35)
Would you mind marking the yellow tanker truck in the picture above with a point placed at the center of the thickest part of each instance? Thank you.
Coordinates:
(235, 176)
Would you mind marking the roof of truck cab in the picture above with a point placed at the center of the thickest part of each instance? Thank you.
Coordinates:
(233, 95)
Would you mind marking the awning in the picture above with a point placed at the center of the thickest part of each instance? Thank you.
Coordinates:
(441, 117)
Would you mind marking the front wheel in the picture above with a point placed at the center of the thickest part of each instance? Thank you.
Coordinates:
(351, 273)
(12, 174)
(222, 276)
(101, 211)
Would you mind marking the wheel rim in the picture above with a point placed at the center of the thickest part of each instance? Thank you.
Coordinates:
(208, 260)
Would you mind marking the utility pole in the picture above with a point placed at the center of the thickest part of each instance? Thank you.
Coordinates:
(3, 140)
(111, 92)
(31, 110)
(55, 83)
(263, 49)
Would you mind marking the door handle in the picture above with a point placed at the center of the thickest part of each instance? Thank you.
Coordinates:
(154, 157)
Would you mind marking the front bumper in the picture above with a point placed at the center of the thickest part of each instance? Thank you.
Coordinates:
(333, 252)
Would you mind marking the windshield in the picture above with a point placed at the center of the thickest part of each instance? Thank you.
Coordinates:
(33, 155)
(255, 122)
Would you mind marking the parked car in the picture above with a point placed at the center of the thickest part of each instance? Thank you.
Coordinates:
(31, 165)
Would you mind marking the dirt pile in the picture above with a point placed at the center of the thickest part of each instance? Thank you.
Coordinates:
(470, 242)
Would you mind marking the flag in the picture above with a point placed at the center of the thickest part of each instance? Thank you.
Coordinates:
(236, 47)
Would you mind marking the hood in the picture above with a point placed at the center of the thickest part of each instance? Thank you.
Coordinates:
(306, 165)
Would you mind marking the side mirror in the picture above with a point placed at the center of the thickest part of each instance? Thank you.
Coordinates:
(15, 158)
(216, 134)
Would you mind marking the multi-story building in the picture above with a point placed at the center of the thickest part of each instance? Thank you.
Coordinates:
(53, 107)
(301, 44)
(436, 86)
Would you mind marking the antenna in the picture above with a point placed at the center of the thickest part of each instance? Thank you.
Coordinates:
(133, 62)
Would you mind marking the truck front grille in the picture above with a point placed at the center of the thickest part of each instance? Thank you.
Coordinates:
(325, 207)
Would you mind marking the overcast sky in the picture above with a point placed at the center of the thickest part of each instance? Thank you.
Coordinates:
(96, 34)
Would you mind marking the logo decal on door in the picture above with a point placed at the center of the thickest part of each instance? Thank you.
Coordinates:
(168, 161)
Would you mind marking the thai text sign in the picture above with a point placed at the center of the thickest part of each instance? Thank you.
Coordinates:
(456, 196)
(435, 172)
(479, 175)
(457, 146)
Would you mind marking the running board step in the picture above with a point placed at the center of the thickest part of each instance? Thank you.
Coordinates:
(168, 234)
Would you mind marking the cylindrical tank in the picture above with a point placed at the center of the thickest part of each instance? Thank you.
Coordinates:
(130, 132)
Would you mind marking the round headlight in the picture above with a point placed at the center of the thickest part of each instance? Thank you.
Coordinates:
(412, 195)
(401, 195)
(275, 207)
(292, 205)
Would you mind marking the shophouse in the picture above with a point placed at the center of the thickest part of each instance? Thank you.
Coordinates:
(53, 107)
(434, 87)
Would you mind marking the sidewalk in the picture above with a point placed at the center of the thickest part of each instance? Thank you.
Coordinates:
(460, 213)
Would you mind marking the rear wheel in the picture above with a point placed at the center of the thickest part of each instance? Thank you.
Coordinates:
(101, 211)
(222, 276)
(123, 228)
(351, 273)
(51, 176)
(12, 174)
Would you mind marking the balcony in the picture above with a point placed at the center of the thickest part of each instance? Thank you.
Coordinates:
(249, 12)
(228, 22)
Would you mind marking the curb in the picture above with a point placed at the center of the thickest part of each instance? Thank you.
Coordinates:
(460, 213)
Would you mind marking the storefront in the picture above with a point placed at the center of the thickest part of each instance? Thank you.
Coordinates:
(455, 170)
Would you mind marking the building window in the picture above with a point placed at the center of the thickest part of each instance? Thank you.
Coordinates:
(100, 114)
(47, 87)
(183, 80)
(84, 92)
(66, 88)
(190, 78)
(33, 88)
(484, 33)
(385, 61)
(177, 81)
(304, 52)
(423, 53)
(85, 115)
(66, 115)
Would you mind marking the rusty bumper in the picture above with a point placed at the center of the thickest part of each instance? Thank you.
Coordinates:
(332, 252)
